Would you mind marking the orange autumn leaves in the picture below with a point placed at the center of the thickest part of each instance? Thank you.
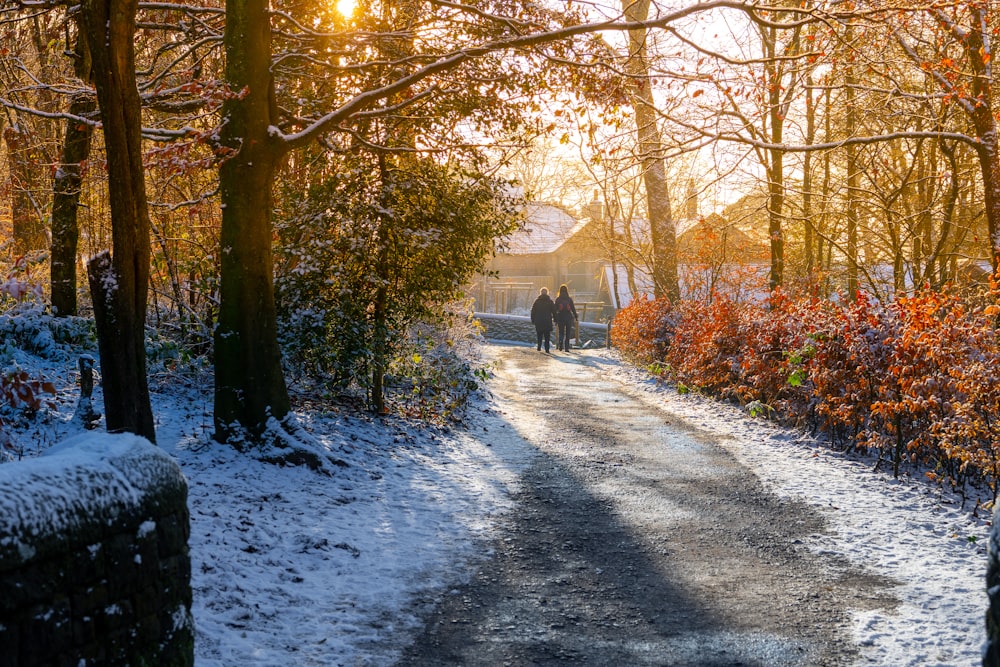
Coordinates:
(912, 382)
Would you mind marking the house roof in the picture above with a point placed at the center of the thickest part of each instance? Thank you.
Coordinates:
(545, 230)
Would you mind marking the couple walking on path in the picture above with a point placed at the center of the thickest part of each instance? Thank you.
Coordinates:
(545, 311)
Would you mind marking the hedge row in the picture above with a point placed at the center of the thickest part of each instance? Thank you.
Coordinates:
(913, 381)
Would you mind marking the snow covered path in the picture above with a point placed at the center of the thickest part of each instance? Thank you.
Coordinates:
(638, 540)
(293, 568)
(903, 529)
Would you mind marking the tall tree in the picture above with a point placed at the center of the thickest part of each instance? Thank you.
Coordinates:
(378, 251)
(119, 283)
(853, 170)
(251, 399)
(809, 235)
(779, 53)
(961, 64)
(28, 57)
(663, 230)
(23, 168)
(249, 385)
(66, 191)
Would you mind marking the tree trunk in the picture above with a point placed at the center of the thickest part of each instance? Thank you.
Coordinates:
(988, 153)
(779, 96)
(123, 279)
(65, 202)
(853, 177)
(822, 263)
(975, 96)
(250, 389)
(663, 231)
(978, 47)
(807, 181)
(776, 162)
(894, 216)
(925, 193)
(400, 15)
(380, 332)
(852, 221)
(775, 208)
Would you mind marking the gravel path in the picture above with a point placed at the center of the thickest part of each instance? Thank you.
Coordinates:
(638, 540)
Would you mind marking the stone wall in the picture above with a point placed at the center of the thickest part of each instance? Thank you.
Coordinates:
(94, 564)
(520, 330)
(991, 652)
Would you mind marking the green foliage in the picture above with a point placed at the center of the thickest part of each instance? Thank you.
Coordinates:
(370, 253)
(169, 354)
(658, 369)
(758, 409)
(797, 378)
(797, 359)
(432, 376)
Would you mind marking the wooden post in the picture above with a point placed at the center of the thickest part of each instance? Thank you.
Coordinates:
(85, 412)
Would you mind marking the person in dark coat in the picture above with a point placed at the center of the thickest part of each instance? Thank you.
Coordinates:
(542, 313)
(566, 318)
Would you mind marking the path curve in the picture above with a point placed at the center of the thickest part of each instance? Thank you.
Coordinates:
(638, 540)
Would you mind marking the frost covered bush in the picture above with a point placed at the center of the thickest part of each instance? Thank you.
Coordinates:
(170, 354)
(643, 331)
(439, 369)
(22, 394)
(705, 347)
(29, 327)
(912, 381)
(373, 252)
(30, 333)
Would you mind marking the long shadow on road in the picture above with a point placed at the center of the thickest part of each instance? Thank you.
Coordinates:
(637, 541)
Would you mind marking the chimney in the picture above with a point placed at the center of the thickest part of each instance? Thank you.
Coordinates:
(692, 201)
(595, 209)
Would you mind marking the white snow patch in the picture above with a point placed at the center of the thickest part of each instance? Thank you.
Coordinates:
(146, 528)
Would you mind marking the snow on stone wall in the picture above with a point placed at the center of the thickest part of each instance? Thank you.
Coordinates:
(519, 329)
(94, 564)
(991, 652)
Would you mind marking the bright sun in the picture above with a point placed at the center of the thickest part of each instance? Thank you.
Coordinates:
(346, 7)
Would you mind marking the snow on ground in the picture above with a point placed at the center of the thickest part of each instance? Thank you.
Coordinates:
(292, 567)
(905, 529)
